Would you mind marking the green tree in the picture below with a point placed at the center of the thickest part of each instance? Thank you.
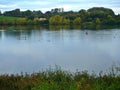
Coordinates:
(66, 21)
(56, 20)
(77, 21)
(15, 13)
(97, 21)
(21, 21)
(99, 12)
(82, 13)
(0, 13)
(88, 25)
(109, 17)
(30, 17)
(109, 21)
(30, 22)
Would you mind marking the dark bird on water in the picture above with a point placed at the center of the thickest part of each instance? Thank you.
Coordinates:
(86, 33)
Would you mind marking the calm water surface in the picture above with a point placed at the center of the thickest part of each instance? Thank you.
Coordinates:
(34, 50)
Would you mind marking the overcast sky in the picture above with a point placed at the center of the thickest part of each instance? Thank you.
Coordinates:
(47, 5)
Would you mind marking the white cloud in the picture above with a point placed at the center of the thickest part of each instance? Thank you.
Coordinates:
(35, 3)
(116, 10)
(3, 6)
(7, 6)
(46, 5)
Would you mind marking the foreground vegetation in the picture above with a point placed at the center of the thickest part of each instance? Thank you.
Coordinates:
(56, 79)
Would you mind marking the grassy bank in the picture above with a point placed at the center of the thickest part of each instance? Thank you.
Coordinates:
(11, 21)
(56, 79)
(7, 18)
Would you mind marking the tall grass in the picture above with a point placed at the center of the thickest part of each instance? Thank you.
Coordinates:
(57, 79)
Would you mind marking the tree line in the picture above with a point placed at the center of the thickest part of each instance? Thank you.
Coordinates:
(85, 18)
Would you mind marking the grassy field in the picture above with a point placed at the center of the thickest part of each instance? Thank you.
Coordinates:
(57, 79)
(8, 18)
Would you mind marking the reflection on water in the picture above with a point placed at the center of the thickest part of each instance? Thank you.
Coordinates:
(29, 49)
(55, 27)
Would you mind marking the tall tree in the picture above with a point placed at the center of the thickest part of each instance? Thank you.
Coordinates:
(15, 13)
(0, 13)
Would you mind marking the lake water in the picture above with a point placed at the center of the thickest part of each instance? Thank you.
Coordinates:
(32, 50)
